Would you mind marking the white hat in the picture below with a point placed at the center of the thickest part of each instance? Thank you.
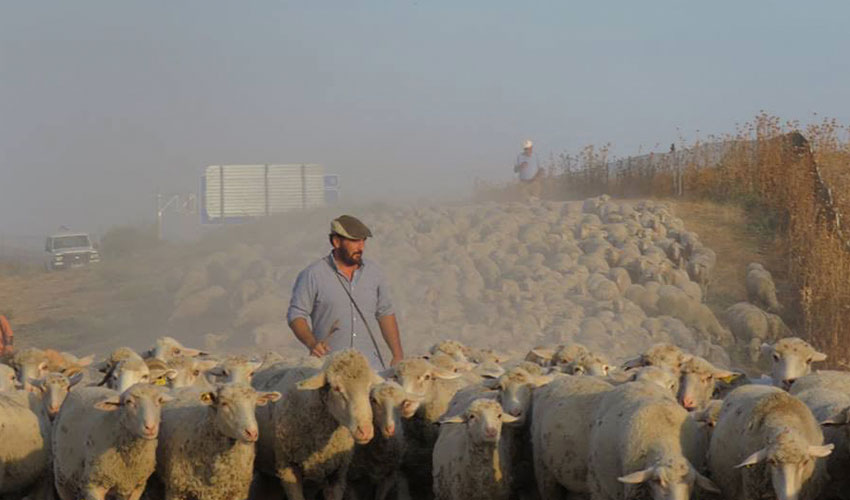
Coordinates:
(527, 144)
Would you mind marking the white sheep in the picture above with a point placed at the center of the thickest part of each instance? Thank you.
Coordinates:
(104, 442)
(236, 369)
(206, 446)
(827, 394)
(168, 348)
(8, 379)
(791, 358)
(766, 444)
(639, 447)
(380, 460)
(697, 382)
(561, 421)
(468, 460)
(25, 433)
(761, 289)
(309, 435)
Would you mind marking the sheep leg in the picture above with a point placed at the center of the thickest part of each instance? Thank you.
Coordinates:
(385, 485)
(292, 483)
(335, 490)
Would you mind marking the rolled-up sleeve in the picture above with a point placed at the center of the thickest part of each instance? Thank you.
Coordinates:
(303, 296)
(385, 305)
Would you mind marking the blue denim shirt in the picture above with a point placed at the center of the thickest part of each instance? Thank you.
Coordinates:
(319, 297)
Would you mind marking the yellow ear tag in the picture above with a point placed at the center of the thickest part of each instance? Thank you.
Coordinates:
(160, 381)
(731, 378)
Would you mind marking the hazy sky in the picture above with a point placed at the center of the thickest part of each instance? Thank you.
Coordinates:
(102, 102)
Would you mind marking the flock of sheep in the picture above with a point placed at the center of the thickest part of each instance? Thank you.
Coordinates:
(604, 375)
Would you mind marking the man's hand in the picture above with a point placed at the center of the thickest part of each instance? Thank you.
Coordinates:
(394, 361)
(319, 349)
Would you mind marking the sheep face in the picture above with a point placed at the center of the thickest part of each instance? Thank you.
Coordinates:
(128, 373)
(662, 377)
(663, 354)
(417, 377)
(790, 463)
(54, 388)
(697, 381)
(8, 380)
(168, 348)
(792, 358)
(451, 347)
(483, 419)
(30, 364)
(515, 391)
(590, 364)
(387, 399)
(140, 408)
(346, 378)
(236, 370)
(187, 371)
(235, 410)
(672, 479)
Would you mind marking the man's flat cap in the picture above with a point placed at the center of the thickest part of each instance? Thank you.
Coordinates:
(350, 227)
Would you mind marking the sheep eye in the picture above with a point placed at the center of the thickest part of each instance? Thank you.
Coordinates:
(145, 377)
(471, 417)
(809, 360)
(176, 352)
(196, 372)
(427, 376)
(337, 388)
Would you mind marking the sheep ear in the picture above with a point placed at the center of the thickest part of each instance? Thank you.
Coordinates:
(388, 373)
(445, 374)
(766, 349)
(166, 398)
(821, 451)
(838, 418)
(819, 356)
(216, 371)
(492, 372)
(377, 379)
(705, 483)
(86, 361)
(508, 419)
(186, 351)
(491, 383)
(317, 381)
(457, 419)
(633, 363)
(726, 376)
(207, 398)
(75, 379)
(753, 459)
(37, 385)
(110, 404)
(264, 398)
(545, 354)
(638, 477)
(541, 380)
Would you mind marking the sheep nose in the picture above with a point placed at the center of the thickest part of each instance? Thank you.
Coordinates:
(689, 403)
(516, 412)
(251, 435)
(389, 430)
(491, 432)
(364, 434)
(53, 410)
(151, 429)
(786, 384)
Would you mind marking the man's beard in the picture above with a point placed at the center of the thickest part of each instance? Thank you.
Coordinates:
(349, 259)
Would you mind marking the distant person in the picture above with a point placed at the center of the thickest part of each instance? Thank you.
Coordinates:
(7, 337)
(335, 299)
(530, 173)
